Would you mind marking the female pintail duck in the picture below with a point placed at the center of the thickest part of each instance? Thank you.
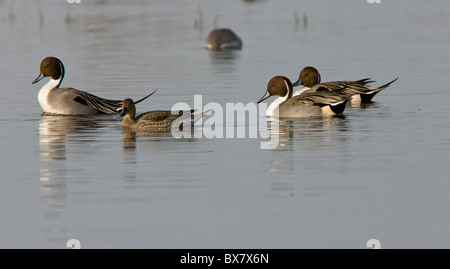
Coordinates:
(69, 101)
(360, 90)
(320, 103)
(223, 39)
(154, 121)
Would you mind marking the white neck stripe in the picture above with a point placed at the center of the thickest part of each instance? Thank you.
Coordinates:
(44, 92)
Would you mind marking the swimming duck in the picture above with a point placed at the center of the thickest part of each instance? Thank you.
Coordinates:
(223, 39)
(154, 121)
(360, 91)
(319, 103)
(69, 101)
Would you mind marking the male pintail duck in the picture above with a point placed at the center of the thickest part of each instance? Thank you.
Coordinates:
(360, 90)
(154, 121)
(223, 39)
(69, 101)
(312, 104)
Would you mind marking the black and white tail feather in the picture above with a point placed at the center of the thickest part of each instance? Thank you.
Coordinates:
(102, 105)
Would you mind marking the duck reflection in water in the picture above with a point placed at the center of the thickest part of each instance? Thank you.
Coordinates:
(305, 136)
(55, 132)
(314, 128)
(55, 135)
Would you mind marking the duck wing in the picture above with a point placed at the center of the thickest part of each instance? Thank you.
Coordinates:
(321, 98)
(349, 87)
(102, 105)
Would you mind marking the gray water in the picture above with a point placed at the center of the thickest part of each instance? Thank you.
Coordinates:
(381, 172)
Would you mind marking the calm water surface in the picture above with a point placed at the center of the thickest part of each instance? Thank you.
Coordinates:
(380, 172)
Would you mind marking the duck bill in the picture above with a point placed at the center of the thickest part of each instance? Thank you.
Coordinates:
(297, 83)
(39, 78)
(124, 112)
(267, 95)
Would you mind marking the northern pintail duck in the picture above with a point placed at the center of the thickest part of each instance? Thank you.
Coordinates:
(360, 90)
(223, 39)
(319, 103)
(154, 121)
(69, 101)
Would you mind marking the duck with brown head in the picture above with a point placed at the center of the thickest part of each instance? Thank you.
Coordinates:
(154, 121)
(360, 90)
(321, 103)
(69, 101)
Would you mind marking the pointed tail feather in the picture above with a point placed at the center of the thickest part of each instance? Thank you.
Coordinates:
(387, 84)
(367, 98)
(140, 100)
(198, 116)
(102, 105)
